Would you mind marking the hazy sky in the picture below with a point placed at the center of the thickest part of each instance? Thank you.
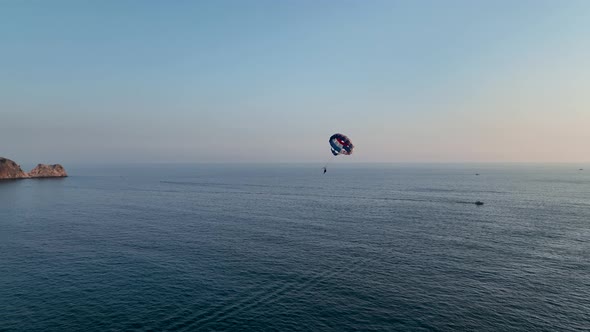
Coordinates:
(270, 81)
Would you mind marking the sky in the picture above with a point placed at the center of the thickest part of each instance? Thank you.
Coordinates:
(270, 81)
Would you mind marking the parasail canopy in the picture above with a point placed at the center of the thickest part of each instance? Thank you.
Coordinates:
(341, 144)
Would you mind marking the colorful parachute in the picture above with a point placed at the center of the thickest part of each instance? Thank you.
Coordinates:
(341, 144)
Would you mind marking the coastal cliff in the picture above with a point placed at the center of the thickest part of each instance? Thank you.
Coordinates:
(10, 170)
(48, 171)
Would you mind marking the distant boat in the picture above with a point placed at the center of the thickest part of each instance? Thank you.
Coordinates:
(479, 203)
(476, 173)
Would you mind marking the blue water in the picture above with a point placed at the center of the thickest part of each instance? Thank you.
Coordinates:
(285, 248)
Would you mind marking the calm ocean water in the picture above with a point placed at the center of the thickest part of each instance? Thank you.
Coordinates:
(283, 247)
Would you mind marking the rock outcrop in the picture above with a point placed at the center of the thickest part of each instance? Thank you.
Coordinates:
(11, 170)
(48, 171)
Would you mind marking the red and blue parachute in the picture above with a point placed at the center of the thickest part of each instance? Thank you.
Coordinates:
(341, 145)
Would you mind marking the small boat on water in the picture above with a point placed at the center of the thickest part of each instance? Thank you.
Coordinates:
(479, 203)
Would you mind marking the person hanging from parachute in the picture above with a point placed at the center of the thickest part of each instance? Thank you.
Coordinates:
(339, 145)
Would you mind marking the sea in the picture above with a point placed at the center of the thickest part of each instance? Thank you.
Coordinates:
(284, 247)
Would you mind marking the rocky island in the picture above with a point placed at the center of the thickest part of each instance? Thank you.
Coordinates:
(11, 170)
